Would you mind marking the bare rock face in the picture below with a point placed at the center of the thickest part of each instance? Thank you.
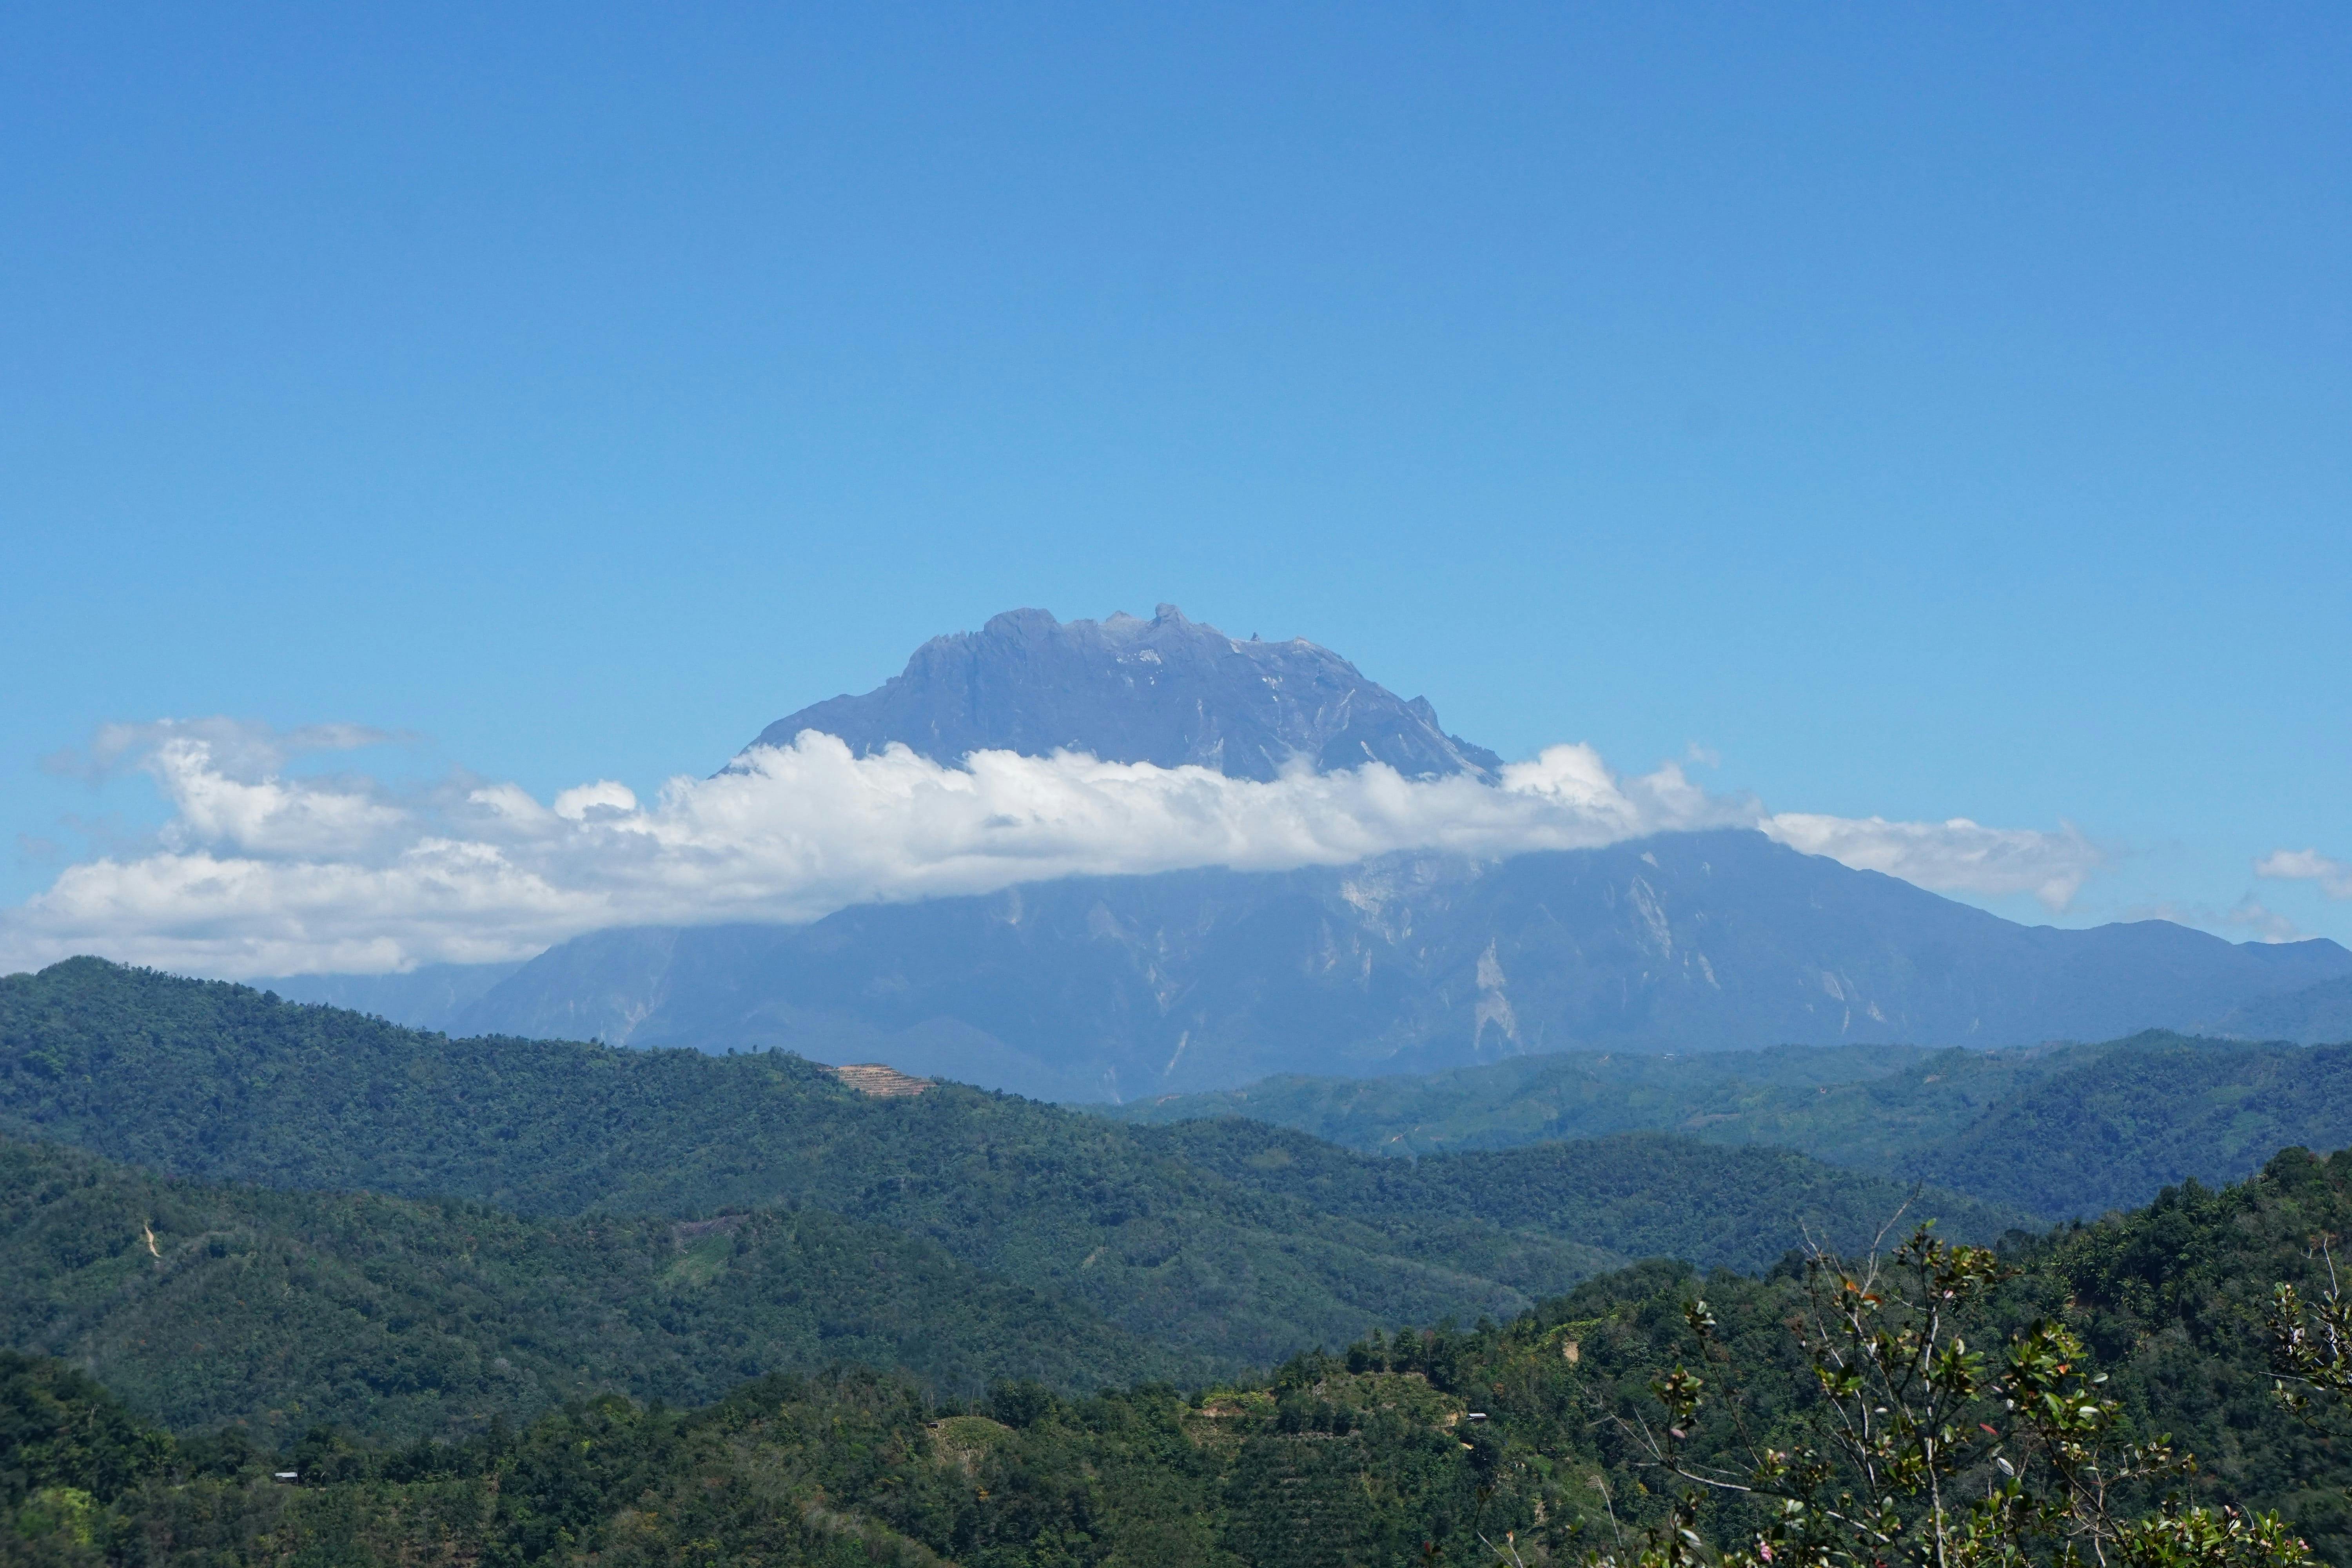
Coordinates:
(1167, 690)
(878, 1082)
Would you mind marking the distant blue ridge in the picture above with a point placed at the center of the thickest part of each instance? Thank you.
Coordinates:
(1097, 988)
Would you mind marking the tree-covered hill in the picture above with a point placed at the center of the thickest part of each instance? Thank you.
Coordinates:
(1641, 1194)
(397, 1316)
(2320, 1014)
(223, 1083)
(2061, 1131)
(1240, 1243)
(1406, 1448)
(281, 1310)
(1796, 1095)
(2119, 1126)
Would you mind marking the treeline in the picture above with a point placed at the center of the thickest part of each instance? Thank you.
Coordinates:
(1417, 1446)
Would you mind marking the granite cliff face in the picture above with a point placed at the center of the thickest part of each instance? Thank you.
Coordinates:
(1167, 690)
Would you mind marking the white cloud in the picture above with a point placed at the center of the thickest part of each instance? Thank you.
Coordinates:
(2247, 914)
(2333, 877)
(1959, 856)
(258, 873)
(573, 804)
(238, 748)
(271, 813)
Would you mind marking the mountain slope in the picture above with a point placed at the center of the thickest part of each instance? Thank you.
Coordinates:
(205, 1304)
(1167, 691)
(2063, 1131)
(222, 1083)
(1115, 987)
(1401, 1449)
(1231, 1241)
(1640, 1194)
(430, 996)
(2117, 1127)
(1858, 1104)
(2318, 1014)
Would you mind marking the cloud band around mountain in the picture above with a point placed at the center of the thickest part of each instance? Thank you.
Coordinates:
(258, 872)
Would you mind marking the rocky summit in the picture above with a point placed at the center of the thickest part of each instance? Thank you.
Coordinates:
(1169, 691)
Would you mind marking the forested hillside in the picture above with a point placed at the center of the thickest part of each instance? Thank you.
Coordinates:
(1421, 1446)
(396, 1317)
(400, 1318)
(2119, 1126)
(1238, 1242)
(2059, 1132)
(1796, 1095)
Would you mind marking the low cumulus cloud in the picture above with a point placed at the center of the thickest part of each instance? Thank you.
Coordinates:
(1954, 857)
(2333, 877)
(259, 872)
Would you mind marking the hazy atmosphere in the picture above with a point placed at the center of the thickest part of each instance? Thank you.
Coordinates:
(1420, 786)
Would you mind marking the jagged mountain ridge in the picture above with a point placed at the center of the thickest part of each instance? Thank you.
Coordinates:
(1111, 988)
(1169, 691)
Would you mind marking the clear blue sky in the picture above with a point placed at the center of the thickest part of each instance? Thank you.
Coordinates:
(1932, 411)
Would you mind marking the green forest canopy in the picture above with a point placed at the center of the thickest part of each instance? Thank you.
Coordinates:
(2059, 1132)
(1404, 1448)
(1231, 1240)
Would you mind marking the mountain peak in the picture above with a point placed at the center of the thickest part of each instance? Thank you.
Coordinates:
(1169, 690)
